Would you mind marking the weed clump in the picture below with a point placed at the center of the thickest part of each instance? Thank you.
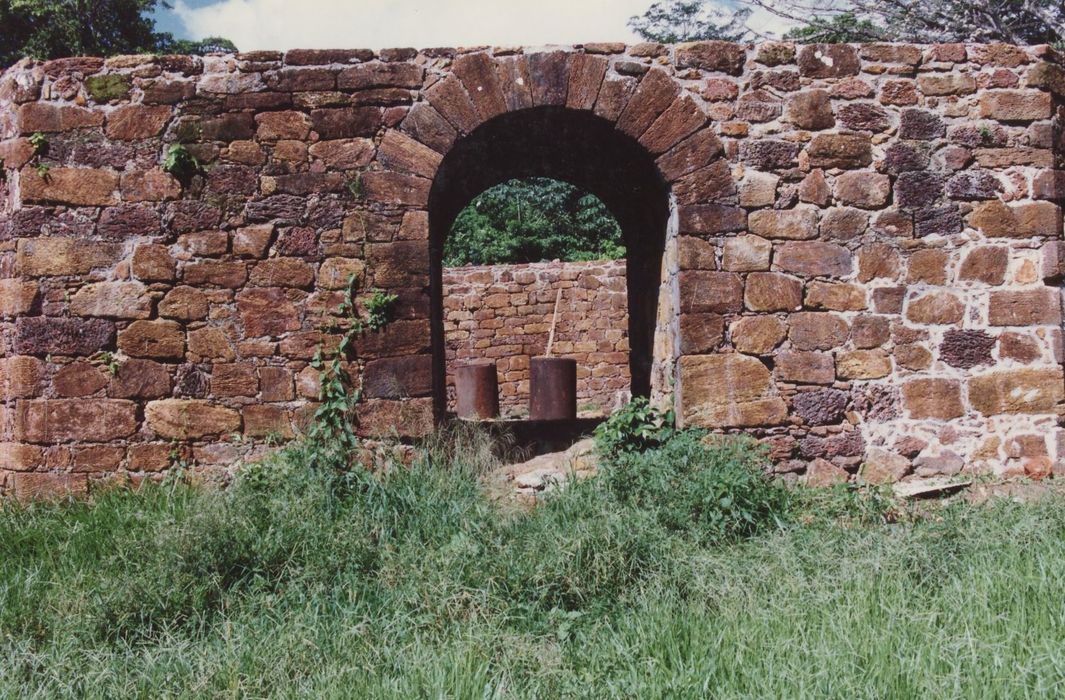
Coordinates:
(715, 488)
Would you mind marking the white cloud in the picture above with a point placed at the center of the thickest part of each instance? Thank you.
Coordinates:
(769, 25)
(375, 24)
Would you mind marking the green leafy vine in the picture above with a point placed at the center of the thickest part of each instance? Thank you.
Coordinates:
(331, 435)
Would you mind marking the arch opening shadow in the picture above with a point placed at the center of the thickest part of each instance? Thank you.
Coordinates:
(585, 150)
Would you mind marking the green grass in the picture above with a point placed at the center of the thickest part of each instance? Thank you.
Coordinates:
(294, 585)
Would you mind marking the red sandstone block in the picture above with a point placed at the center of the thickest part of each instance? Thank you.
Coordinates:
(78, 186)
(46, 117)
(132, 122)
(17, 456)
(62, 420)
(32, 486)
(265, 420)
(1040, 306)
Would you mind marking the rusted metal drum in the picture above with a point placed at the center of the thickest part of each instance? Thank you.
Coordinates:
(552, 388)
(477, 390)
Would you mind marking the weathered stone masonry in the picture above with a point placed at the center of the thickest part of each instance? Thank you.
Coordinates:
(503, 313)
(859, 244)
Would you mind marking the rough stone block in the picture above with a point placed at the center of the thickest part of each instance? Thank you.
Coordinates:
(185, 419)
(1017, 391)
(805, 367)
(38, 486)
(717, 56)
(1031, 307)
(398, 377)
(862, 189)
(884, 467)
(66, 420)
(814, 258)
(46, 257)
(772, 291)
(140, 379)
(710, 292)
(17, 297)
(161, 340)
(700, 333)
(817, 331)
(757, 335)
(828, 60)
(20, 377)
(44, 335)
(921, 125)
(840, 151)
(45, 117)
(746, 254)
(112, 300)
(234, 380)
(811, 110)
(863, 364)
(793, 224)
(729, 390)
(933, 398)
(835, 296)
(132, 122)
(693, 153)
(153, 263)
(863, 116)
(936, 308)
(1015, 105)
(821, 474)
(267, 311)
(966, 348)
(655, 92)
(928, 265)
(997, 219)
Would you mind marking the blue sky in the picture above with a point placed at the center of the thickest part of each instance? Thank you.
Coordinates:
(375, 24)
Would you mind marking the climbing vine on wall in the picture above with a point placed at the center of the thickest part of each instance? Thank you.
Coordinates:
(331, 436)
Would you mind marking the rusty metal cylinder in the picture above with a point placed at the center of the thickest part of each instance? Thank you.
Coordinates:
(477, 391)
(552, 388)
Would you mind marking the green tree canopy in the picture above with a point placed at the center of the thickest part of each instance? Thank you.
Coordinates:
(48, 29)
(531, 220)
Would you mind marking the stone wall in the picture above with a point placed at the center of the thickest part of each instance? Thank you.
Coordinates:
(503, 313)
(862, 261)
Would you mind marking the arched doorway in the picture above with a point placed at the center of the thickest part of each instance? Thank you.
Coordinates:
(586, 150)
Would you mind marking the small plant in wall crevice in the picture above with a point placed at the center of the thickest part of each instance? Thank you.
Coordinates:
(379, 309)
(39, 142)
(180, 163)
(355, 186)
(107, 359)
(40, 147)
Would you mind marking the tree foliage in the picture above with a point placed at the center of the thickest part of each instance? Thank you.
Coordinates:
(837, 29)
(531, 220)
(671, 21)
(827, 21)
(212, 44)
(924, 21)
(47, 29)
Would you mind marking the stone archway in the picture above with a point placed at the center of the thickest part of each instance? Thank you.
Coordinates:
(642, 144)
(581, 148)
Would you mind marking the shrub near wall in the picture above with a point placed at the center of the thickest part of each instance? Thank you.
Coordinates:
(864, 267)
(503, 313)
